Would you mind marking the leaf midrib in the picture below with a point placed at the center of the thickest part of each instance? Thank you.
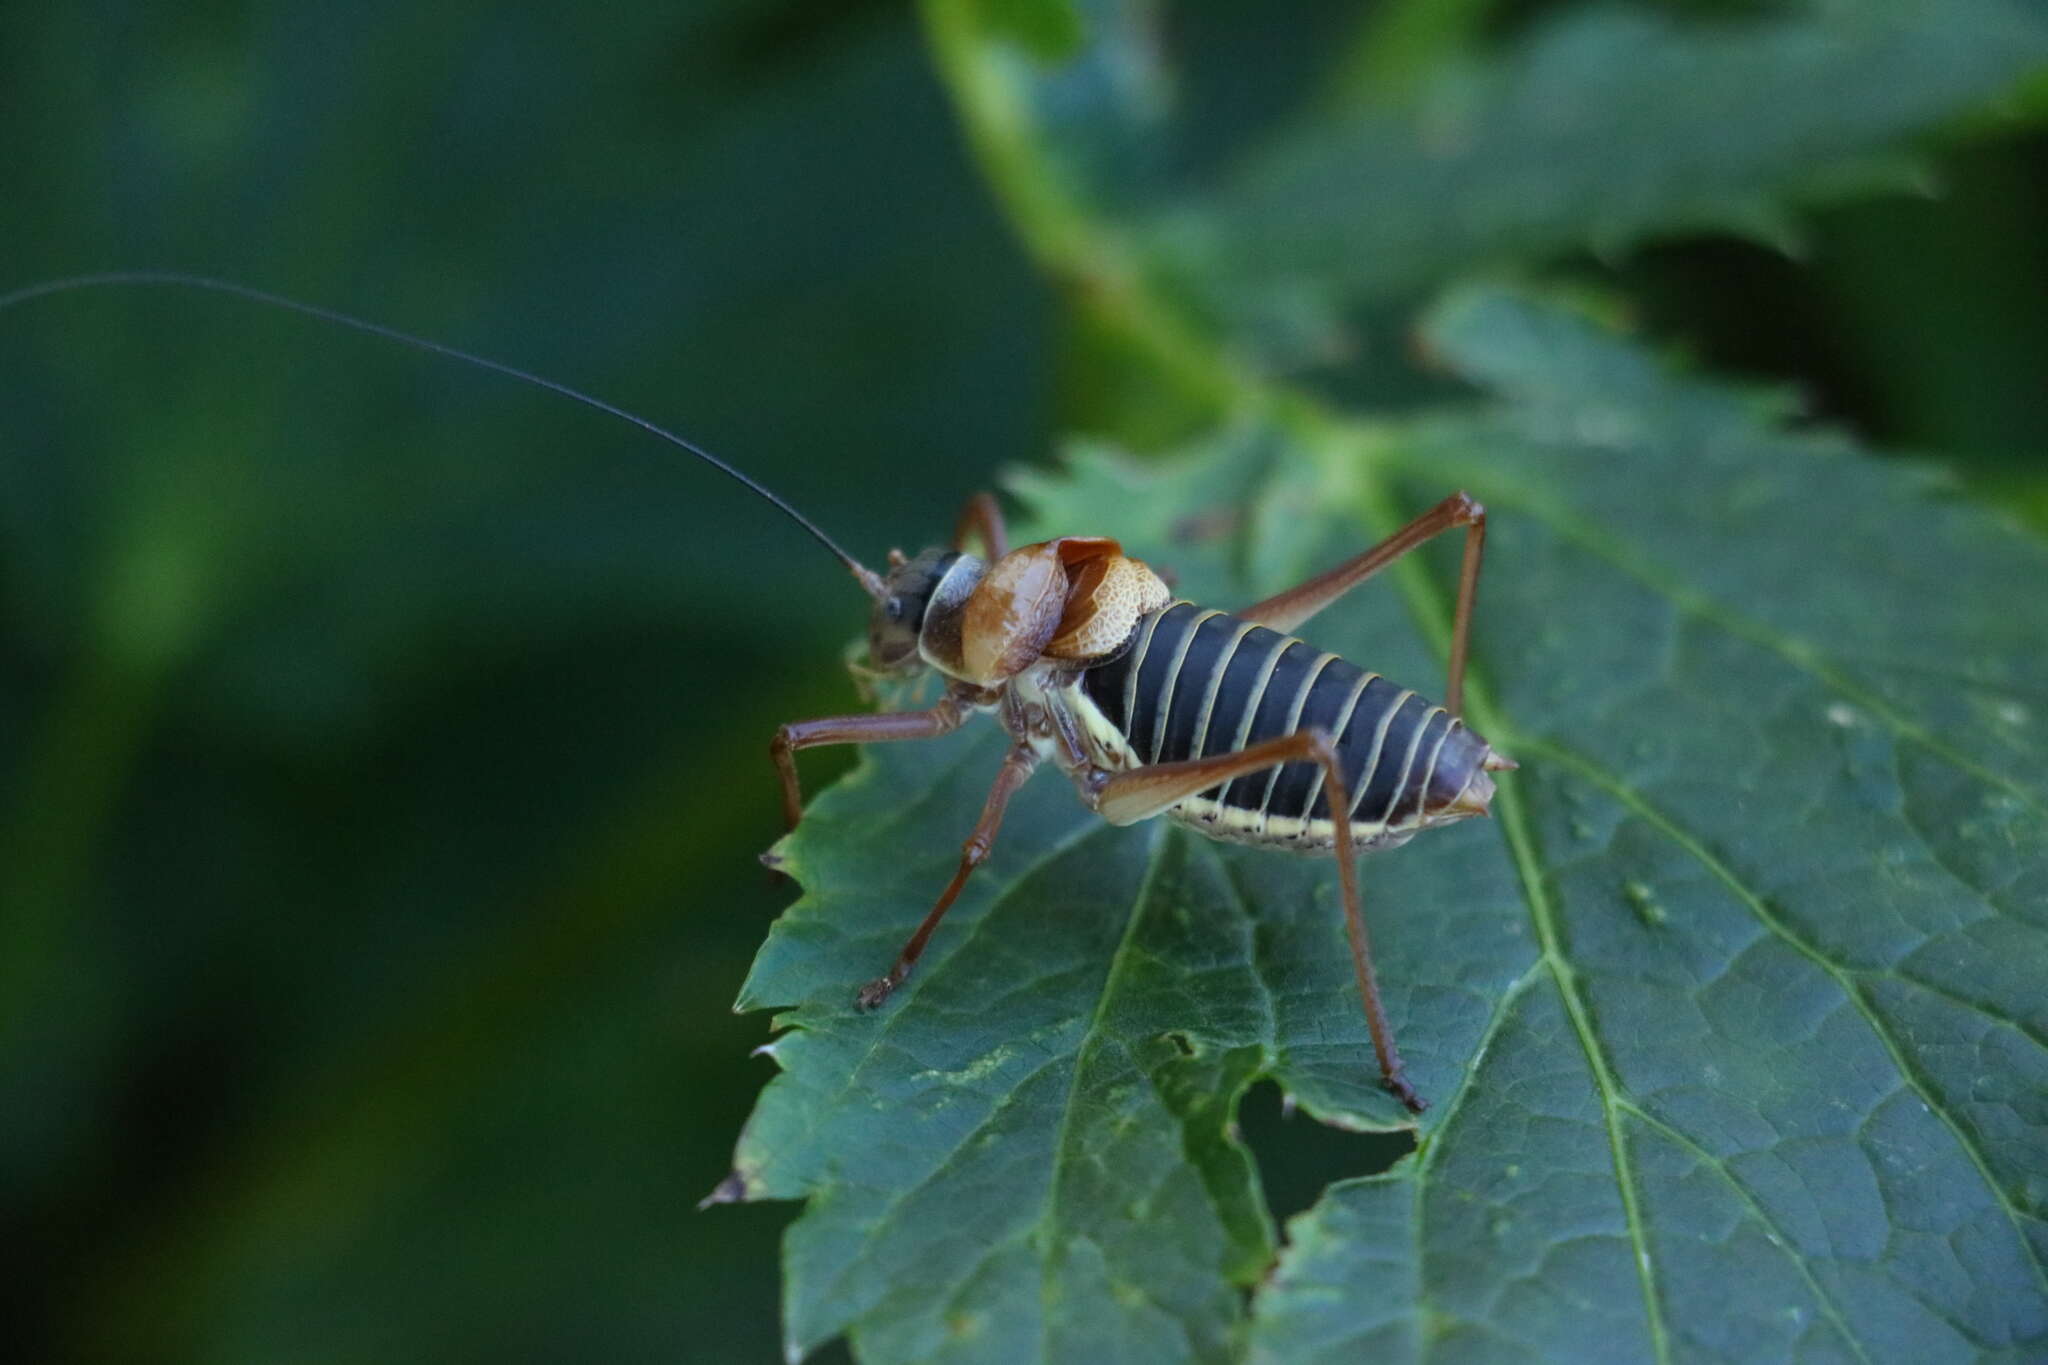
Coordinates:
(1672, 588)
(1847, 979)
(1426, 607)
(1089, 1041)
(1831, 1310)
(1668, 586)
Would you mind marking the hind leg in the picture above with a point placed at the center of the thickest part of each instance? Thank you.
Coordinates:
(1142, 793)
(1284, 611)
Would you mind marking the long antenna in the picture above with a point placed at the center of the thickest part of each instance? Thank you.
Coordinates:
(869, 581)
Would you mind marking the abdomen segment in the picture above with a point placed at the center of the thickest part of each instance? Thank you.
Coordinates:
(1197, 683)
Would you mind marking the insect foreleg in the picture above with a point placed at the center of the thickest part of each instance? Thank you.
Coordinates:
(1141, 793)
(866, 729)
(984, 517)
(1285, 611)
(1016, 768)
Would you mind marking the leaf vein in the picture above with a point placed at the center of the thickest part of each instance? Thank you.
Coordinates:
(1796, 652)
(1828, 1306)
(1419, 1171)
(1083, 1053)
(1081, 832)
(1845, 977)
(1427, 608)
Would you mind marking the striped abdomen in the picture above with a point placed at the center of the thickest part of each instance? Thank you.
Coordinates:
(1196, 683)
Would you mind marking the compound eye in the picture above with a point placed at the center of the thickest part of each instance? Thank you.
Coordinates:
(894, 608)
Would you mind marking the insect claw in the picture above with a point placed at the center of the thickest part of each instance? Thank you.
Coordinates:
(875, 992)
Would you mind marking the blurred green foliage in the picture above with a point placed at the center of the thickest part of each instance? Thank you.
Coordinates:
(382, 742)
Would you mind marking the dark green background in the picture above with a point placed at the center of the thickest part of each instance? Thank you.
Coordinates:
(383, 743)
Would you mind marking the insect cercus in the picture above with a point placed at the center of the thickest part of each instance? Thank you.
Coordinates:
(1222, 721)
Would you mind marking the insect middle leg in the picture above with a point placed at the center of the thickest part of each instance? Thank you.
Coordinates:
(1017, 767)
(1141, 793)
(1284, 611)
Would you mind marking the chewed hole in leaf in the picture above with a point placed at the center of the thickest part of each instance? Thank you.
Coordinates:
(1298, 1158)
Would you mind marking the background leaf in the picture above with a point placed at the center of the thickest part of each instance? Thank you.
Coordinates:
(1737, 1000)
(1048, 29)
(368, 916)
(1602, 128)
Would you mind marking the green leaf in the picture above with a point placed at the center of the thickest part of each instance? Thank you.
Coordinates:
(1733, 1019)
(1601, 130)
(1782, 816)
(1049, 30)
